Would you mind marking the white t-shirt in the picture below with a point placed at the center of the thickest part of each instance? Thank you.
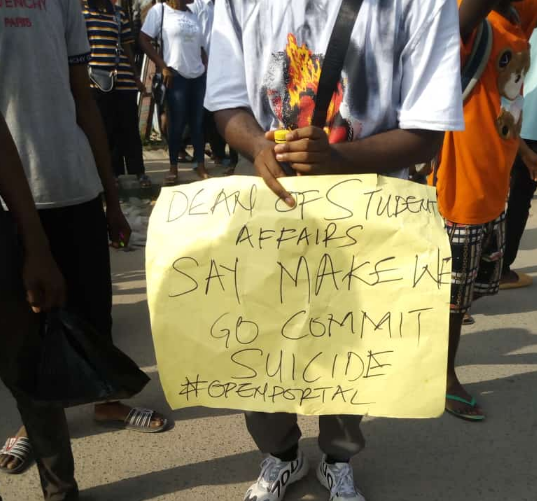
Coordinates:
(402, 69)
(182, 38)
(38, 41)
(204, 9)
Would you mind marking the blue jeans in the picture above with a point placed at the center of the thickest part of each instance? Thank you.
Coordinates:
(184, 101)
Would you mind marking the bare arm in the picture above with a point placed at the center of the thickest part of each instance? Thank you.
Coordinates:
(386, 152)
(16, 192)
(471, 13)
(146, 43)
(242, 132)
(44, 283)
(308, 150)
(151, 52)
(90, 121)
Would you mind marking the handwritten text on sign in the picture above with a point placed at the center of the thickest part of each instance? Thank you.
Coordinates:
(337, 306)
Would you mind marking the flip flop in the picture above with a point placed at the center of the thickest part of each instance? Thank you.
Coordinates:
(472, 403)
(19, 448)
(468, 319)
(137, 420)
(523, 281)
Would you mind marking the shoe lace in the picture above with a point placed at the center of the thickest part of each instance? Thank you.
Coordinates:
(344, 484)
(270, 470)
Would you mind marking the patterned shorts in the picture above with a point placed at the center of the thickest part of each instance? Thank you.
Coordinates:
(477, 252)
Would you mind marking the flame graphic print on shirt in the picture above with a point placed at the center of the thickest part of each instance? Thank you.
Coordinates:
(294, 104)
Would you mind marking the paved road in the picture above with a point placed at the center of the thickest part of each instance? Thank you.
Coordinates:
(209, 456)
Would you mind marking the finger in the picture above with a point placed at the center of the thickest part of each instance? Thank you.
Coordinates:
(270, 171)
(278, 189)
(270, 135)
(126, 232)
(303, 169)
(301, 145)
(115, 239)
(113, 234)
(304, 157)
(34, 296)
(305, 133)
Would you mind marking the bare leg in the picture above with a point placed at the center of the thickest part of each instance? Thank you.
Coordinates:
(454, 387)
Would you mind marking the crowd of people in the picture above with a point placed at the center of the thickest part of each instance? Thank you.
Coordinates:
(69, 80)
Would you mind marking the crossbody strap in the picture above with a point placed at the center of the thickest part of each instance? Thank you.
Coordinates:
(478, 60)
(161, 38)
(334, 59)
(118, 47)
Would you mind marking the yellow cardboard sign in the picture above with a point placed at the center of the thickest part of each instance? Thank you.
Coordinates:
(338, 306)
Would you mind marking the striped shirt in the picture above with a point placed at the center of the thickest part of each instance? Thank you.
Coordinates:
(102, 35)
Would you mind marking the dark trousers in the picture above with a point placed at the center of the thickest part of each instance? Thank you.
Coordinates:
(119, 110)
(184, 105)
(217, 142)
(518, 208)
(79, 243)
(233, 156)
(340, 437)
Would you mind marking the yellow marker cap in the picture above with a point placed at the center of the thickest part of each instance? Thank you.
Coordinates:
(280, 135)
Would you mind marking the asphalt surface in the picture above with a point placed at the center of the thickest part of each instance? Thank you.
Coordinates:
(208, 455)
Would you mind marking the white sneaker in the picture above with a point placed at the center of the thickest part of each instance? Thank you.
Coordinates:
(276, 475)
(339, 480)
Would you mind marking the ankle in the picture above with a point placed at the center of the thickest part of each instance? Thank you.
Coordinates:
(332, 460)
(288, 455)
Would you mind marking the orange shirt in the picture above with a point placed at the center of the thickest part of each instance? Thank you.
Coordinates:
(475, 165)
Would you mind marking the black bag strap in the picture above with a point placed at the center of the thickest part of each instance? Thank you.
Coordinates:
(334, 59)
(117, 15)
(478, 60)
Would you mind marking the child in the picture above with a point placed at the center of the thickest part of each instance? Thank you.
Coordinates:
(473, 175)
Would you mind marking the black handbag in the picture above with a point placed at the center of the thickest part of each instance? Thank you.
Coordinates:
(158, 89)
(106, 80)
(79, 365)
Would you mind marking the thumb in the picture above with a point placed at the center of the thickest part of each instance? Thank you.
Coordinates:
(270, 135)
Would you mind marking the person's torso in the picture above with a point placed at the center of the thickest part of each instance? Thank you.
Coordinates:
(37, 103)
(103, 37)
(183, 41)
(284, 46)
(473, 177)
